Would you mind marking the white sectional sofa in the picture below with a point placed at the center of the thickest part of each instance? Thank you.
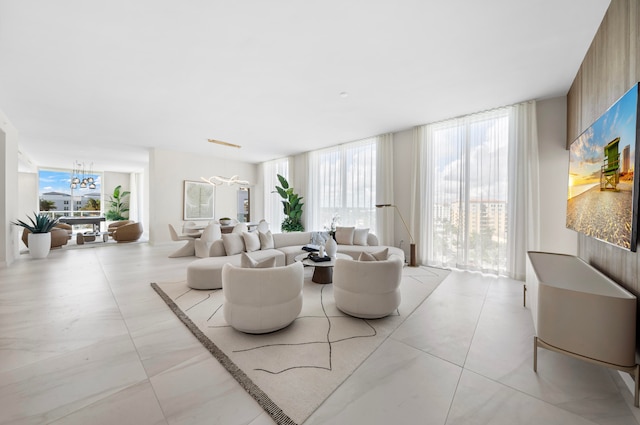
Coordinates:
(206, 273)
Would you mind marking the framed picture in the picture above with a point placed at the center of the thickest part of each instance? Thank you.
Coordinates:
(198, 200)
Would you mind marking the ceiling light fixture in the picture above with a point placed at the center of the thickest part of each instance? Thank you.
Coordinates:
(220, 142)
(218, 180)
(344, 94)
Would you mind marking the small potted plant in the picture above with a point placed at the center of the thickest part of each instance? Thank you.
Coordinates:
(40, 233)
(225, 221)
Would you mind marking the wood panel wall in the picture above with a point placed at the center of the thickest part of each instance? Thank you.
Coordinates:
(610, 68)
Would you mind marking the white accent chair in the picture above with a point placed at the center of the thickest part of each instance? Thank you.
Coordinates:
(203, 244)
(190, 228)
(367, 289)
(188, 249)
(262, 300)
(263, 226)
(240, 227)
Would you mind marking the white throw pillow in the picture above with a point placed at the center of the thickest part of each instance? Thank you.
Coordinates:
(251, 241)
(360, 236)
(365, 256)
(266, 240)
(344, 235)
(381, 255)
(247, 262)
(233, 243)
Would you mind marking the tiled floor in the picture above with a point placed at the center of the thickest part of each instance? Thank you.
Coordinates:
(85, 340)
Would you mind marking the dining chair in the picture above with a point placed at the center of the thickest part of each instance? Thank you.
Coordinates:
(189, 249)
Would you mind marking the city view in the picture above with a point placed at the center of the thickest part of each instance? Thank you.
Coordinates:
(58, 197)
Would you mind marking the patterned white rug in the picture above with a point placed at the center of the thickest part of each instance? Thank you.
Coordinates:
(292, 371)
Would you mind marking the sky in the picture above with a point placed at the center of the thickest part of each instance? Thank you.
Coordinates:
(60, 181)
(586, 152)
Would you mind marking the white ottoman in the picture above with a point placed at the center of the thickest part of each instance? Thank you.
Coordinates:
(207, 272)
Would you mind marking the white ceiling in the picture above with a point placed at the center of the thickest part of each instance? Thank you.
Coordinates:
(105, 81)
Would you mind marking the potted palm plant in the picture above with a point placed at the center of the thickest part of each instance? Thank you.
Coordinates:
(118, 205)
(40, 233)
(292, 207)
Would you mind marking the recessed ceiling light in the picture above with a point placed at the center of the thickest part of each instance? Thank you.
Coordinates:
(220, 142)
(344, 94)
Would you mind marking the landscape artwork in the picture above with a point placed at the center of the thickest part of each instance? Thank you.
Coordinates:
(601, 199)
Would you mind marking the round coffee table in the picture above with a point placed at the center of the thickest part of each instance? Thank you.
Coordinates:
(322, 270)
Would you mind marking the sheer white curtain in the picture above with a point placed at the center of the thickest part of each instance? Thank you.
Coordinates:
(342, 181)
(273, 212)
(384, 192)
(478, 185)
(524, 193)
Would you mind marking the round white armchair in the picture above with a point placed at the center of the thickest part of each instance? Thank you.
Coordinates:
(262, 300)
(367, 289)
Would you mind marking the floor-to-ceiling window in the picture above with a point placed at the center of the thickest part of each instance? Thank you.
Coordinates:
(467, 163)
(479, 190)
(342, 183)
(60, 195)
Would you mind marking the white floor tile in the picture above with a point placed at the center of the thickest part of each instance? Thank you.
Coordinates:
(85, 339)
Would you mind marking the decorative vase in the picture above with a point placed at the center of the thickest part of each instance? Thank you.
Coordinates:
(331, 247)
(39, 244)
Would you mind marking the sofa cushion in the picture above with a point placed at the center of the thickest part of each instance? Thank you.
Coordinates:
(360, 236)
(266, 240)
(374, 256)
(291, 252)
(247, 262)
(344, 235)
(233, 243)
(217, 249)
(291, 239)
(251, 241)
(366, 256)
(354, 250)
(381, 255)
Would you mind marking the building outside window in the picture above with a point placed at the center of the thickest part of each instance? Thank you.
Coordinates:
(58, 198)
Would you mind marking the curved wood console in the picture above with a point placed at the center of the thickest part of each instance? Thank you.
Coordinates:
(582, 313)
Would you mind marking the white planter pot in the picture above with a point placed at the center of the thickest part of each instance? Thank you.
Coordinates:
(39, 244)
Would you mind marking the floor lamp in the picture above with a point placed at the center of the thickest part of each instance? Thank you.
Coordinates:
(412, 246)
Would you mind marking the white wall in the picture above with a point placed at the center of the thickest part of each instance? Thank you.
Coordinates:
(167, 172)
(112, 179)
(554, 166)
(28, 201)
(8, 191)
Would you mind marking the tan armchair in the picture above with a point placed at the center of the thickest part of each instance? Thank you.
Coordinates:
(59, 237)
(127, 232)
(113, 226)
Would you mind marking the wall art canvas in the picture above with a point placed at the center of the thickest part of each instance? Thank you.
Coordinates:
(603, 190)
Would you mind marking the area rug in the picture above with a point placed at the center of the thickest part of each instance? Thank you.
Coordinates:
(292, 371)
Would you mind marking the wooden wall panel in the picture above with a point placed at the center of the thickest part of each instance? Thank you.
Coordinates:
(610, 68)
